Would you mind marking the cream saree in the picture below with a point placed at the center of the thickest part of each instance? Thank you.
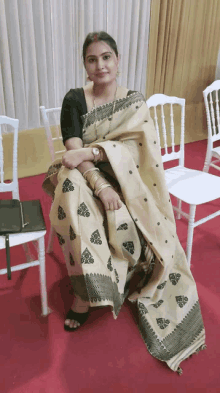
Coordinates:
(103, 250)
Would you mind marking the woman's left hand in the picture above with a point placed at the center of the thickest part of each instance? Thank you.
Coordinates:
(72, 158)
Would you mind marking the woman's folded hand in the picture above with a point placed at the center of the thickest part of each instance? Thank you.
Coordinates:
(110, 199)
(72, 158)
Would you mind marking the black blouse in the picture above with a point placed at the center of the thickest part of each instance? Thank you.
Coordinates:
(73, 107)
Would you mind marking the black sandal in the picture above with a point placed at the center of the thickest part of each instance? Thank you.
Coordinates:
(78, 317)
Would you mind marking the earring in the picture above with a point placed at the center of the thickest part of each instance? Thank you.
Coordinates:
(118, 74)
(88, 78)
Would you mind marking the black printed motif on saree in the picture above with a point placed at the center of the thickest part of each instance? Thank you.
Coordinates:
(72, 263)
(129, 246)
(67, 186)
(158, 304)
(123, 227)
(96, 238)
(87, 257)
(61, 213)
(83, 210)
(109, 264)
(162, 323)
(162, 285)
(174, 277)
(116, 276)
(53, 169)
(181, 301)
(60, 239)
(72, 233)
(142, 309)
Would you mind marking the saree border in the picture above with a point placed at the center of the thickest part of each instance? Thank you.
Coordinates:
(181, 338)
(96, 287)
(105, 111)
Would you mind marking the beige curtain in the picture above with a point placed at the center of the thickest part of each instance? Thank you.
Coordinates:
(182, 55)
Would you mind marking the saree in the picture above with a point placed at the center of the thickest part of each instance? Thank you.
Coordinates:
(103, 249)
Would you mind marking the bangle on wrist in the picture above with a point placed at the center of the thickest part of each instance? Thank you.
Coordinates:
(92, 175)
(93, 179)
(101, 187)
(90, 170)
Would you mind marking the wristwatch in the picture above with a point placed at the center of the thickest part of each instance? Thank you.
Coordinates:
(95, 152)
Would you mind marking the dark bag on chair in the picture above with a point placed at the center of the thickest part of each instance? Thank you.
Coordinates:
(15, 217)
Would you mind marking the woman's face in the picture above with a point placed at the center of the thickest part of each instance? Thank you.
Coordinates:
(101, 63)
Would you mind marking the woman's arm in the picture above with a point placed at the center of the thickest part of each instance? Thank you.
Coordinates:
(77, 156)
(76, 153)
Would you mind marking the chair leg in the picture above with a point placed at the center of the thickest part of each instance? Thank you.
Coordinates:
(192, 212)
(51, 240)
(43, 287)
(208, 160)
(179, 204)
(29, 256)
(15, 192)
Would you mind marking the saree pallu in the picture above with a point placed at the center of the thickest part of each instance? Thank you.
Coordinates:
(103, 250)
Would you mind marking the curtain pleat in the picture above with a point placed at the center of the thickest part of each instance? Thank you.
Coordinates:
(123, 40)
(34, 75)
(217, 74)
(142, 46)
(6, 63)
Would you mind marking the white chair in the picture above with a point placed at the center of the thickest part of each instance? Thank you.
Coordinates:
(51, 122)
(211, 97)
(188, 185)
(22, 238)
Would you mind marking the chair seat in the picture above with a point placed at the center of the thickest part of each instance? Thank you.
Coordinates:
(15, 239)
(192, 186)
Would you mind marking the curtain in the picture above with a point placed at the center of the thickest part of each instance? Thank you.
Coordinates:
(217, 74)
(41, 44)
(183, 50)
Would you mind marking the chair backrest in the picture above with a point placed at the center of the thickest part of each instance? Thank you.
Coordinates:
(13, 185)
(211, 97)
(159, 100)
(51, 122)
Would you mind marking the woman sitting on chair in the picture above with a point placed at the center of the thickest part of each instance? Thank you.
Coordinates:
(113, 215)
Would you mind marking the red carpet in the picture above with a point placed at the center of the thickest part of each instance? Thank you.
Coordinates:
(105, 355)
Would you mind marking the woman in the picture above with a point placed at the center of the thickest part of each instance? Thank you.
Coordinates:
(113, 215)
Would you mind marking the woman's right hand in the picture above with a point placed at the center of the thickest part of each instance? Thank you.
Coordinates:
(110, 199)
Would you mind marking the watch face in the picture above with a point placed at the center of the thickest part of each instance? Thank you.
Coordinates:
(95, 151)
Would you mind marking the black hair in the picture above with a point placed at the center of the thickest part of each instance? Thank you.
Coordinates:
(99, 36)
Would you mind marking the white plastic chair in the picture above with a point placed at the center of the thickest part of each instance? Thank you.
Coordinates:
(51, 120)
(188, 185)
(22, 238)
(211, 97)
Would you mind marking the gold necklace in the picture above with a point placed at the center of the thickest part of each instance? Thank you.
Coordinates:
(110, 118)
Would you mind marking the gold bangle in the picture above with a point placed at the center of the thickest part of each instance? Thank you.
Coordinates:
(93, 178)
(90, 170)
(101, 187)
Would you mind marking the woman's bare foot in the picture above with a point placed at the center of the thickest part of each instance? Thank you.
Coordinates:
(79, 306)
